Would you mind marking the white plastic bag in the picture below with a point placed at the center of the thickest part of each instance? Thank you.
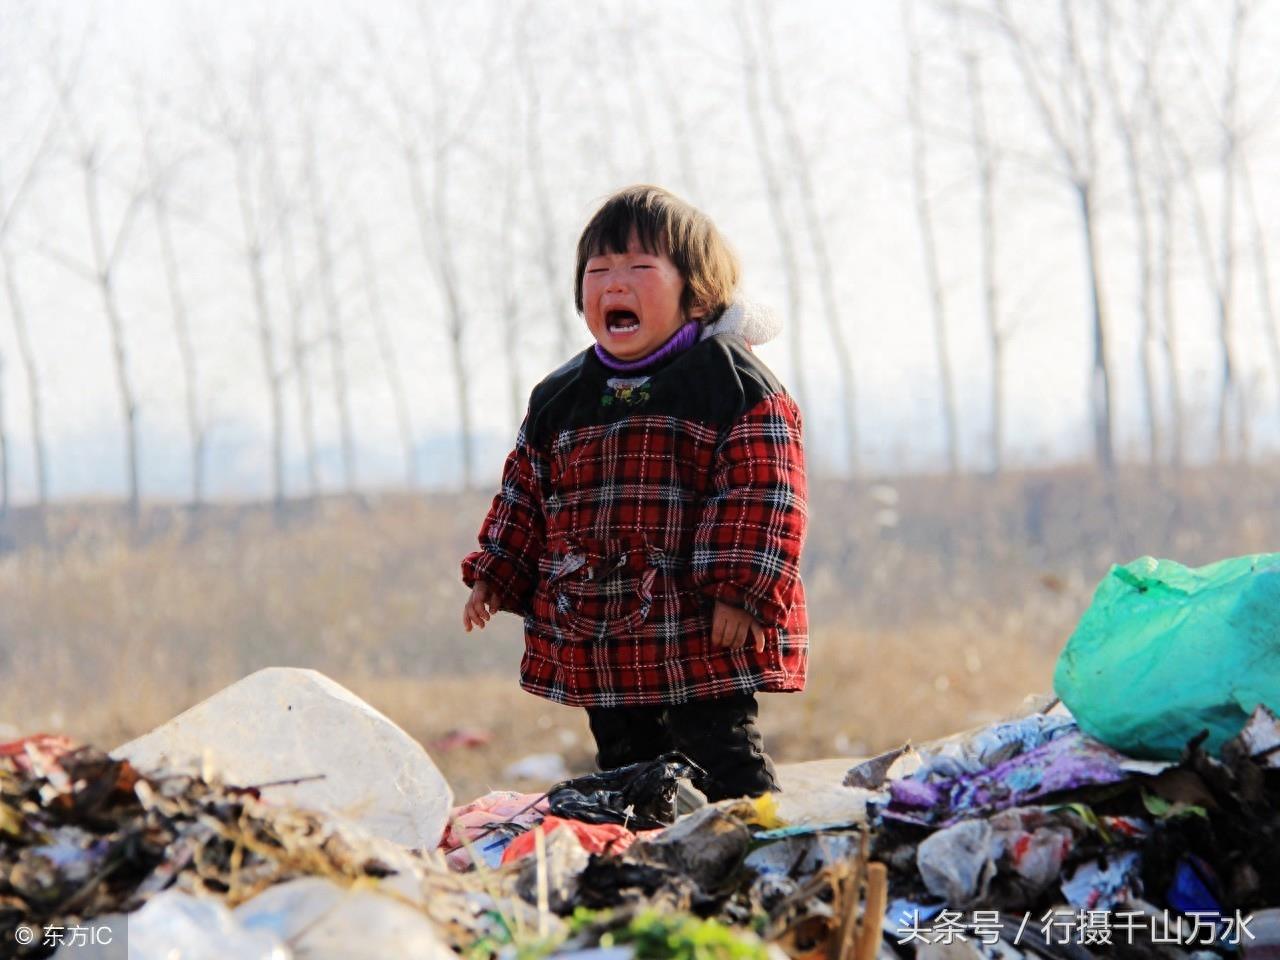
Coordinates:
(322, 921)
(177, 926)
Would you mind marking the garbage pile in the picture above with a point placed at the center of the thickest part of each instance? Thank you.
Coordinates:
(285, 819)
(87, 836)
(1033, 835)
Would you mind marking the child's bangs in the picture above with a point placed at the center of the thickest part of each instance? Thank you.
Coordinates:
(610, 230)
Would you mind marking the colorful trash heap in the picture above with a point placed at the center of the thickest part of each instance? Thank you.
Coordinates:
(1023, 838)
(315, 828)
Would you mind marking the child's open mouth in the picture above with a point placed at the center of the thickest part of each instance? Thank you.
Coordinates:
(621, 321)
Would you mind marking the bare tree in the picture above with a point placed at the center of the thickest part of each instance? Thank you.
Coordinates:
(536, 163)
(1231, 396)
(14, 192)
(235, 131)
(1164, 271)
(1216, 269)
(10, 205)
(1070, 123)
(300, 343)
(390, 366)
(801, 165)
(1262, 270)
(924, 222)
(509, 302)
(1130, 112)
(986, 158)
(1168, 179)
(26, 353)
(777, 204)
(107, 245)
(428, 136)
(160, 178)
(322, 229)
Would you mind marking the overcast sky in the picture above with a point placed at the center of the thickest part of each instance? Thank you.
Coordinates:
(843, 70)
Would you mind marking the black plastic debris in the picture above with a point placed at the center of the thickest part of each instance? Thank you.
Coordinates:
(640, 796)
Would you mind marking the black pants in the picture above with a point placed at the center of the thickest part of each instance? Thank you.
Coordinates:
(718, 735)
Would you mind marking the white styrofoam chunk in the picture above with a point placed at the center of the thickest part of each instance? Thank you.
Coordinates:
(282, 723)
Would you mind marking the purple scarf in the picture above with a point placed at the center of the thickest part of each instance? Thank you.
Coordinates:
(681, 340)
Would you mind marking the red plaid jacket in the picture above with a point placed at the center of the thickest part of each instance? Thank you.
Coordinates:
(628, 506)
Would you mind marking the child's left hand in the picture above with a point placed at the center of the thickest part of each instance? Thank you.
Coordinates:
(731, 628)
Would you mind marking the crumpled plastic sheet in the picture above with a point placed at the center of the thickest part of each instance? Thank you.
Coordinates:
(1025, 846)
(988, 746)
(641, 796)
(305, 919)
(1033, 844)
(594, 837)
(802, 855)
(488, 824)
(321, 920)
(177, 926)
(1095, 886)
(956, 863)
(1068, 762)
(706, 846)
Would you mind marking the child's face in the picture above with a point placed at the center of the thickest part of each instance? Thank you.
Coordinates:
(631, 300)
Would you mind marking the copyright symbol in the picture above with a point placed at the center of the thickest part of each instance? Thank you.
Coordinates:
(24, 935)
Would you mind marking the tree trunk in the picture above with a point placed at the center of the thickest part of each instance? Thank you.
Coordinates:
(266, 335)
(929, 249)
(1231, 398)
(186, 350)
(1100, 380)
(543, 206)
(822, 255)
(985, 159)
(457, 324)
(35, 400)
(1169, 339)
(395, 383)
(1262, 272)
(332, 312)
(1127, 126)
(777, 211)
(300, 351)
(508, 299)
(104, 268)
(300, 346)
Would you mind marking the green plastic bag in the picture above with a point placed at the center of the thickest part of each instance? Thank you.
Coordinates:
(1166, 651)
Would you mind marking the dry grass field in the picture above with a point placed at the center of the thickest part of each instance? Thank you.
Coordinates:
(937, 603)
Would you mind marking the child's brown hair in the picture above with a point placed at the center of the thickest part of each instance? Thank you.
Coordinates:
(668, 225)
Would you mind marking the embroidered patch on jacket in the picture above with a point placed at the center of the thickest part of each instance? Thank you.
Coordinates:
(625, 391)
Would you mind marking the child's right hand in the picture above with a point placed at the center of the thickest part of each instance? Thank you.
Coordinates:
(480, 606)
